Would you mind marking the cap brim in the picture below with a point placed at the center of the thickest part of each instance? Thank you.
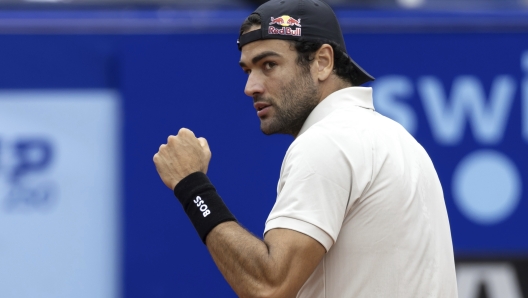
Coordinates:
(360, 76)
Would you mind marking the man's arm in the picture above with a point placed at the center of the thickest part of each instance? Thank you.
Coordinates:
(275, 267)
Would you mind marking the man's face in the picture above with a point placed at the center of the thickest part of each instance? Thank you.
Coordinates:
(283, 93)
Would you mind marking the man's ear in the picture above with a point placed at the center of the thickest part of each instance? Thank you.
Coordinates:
(324, 62)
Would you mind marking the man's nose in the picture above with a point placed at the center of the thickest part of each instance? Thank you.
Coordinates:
(254, 86)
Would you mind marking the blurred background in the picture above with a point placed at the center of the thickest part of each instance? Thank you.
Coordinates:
(89, 89)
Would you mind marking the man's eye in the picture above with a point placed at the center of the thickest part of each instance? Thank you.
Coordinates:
(269, 65)
(247, 71)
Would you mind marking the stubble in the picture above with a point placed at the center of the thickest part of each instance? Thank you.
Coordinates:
(298, 98)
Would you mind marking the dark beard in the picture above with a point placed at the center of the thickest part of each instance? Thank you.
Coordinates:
(299, 97)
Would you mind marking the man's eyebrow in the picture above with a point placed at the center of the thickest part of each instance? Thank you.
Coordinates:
(259, 57)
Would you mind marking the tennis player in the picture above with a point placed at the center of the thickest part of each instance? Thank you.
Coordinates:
(359, 211)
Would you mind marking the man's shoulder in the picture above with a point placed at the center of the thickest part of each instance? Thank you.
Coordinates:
(337, 127)
(321, 137)
(351, 134)
(327, 145)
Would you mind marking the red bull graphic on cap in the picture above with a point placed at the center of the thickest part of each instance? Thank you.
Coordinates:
(286, 22)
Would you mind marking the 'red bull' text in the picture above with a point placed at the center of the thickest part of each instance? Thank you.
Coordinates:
(284, 31)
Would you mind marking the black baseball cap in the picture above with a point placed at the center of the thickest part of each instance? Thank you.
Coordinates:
(301, 20)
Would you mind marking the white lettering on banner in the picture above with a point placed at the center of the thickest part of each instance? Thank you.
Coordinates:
(486, 186)
(389, 90)
(499, 279)
(467, 100)
(448, 115)
(448, 112)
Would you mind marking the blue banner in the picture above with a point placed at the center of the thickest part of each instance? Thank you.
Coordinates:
(465, 98)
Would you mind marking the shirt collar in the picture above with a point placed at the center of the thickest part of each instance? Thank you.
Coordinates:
(347, 97)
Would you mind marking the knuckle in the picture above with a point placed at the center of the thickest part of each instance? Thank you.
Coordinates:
(186, 132)
(183, 131)
(203, 142)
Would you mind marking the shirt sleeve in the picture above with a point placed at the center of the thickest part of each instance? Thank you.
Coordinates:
(314, 188)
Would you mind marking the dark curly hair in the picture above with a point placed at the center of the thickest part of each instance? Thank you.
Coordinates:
(343, 67)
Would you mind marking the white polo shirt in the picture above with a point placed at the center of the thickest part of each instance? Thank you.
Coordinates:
(362, 186)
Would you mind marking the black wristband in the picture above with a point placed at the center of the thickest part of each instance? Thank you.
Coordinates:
(202, 203)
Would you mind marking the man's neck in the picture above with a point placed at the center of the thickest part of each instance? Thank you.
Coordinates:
(332, 86)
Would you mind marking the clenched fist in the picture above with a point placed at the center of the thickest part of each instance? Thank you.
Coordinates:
(183, 155)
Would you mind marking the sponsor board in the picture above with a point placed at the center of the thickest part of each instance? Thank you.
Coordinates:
(59, 193)
(475, 131)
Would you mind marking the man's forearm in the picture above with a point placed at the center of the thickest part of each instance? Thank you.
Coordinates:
(246, 261)
(275, 267)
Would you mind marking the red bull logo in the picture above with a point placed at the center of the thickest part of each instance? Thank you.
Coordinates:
(284, 31)
(286, 22)
(278, 21)
(294, 22)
